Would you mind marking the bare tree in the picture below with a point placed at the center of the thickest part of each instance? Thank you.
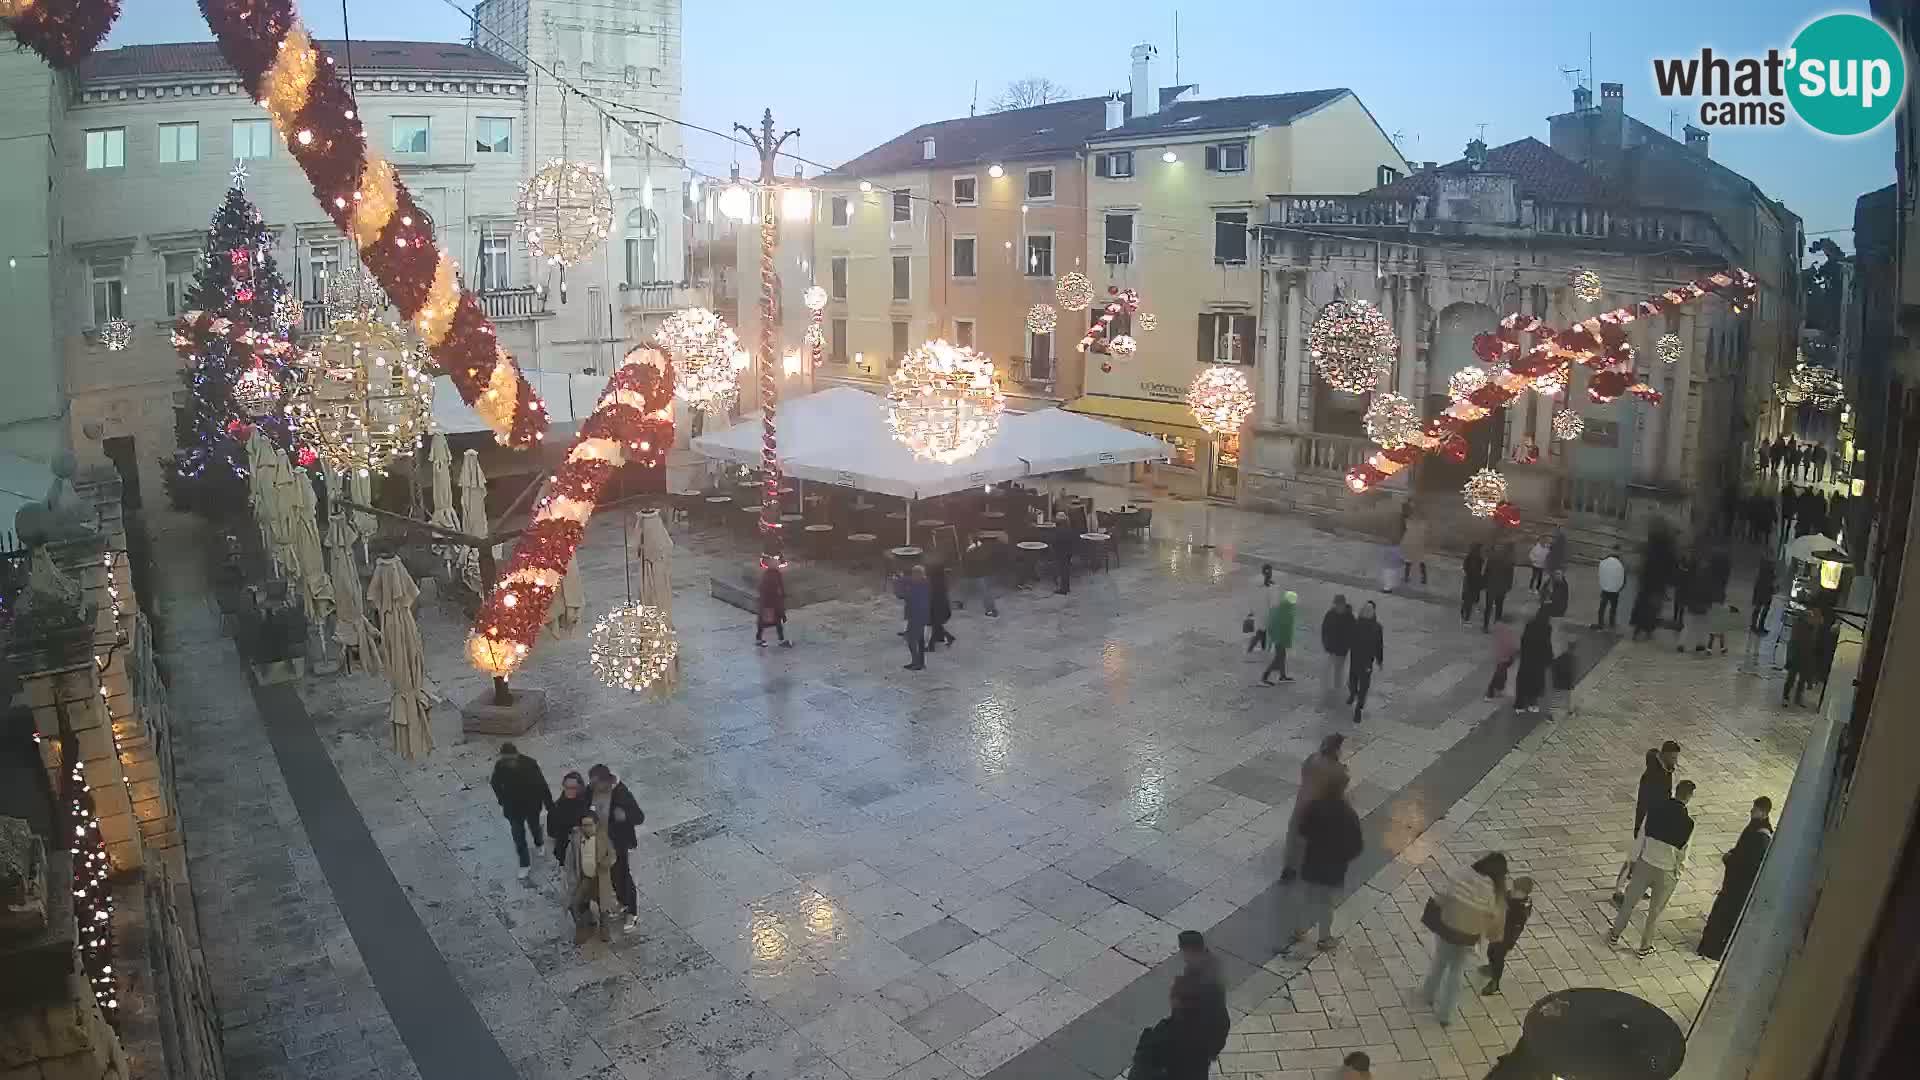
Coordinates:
(1032, 90)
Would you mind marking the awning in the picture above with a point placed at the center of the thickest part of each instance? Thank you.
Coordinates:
(1140, 414)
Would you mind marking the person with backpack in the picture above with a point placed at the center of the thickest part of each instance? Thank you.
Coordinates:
(1329, 840)
(1469, 908)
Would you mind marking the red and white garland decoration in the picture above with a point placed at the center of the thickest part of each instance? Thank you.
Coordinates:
(61, 31)
(1099, 337)
(1598, 343)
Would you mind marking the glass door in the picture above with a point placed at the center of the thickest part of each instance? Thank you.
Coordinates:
(1224, 483)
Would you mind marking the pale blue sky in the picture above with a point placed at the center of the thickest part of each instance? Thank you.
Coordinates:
(853, 73)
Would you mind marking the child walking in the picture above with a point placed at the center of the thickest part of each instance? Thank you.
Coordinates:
(1256, 620)
(1519, 907)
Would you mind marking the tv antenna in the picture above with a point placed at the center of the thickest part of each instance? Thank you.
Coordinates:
(975, 103)
(1176, 48)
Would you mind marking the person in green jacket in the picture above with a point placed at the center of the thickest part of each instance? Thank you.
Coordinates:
(1280, 637)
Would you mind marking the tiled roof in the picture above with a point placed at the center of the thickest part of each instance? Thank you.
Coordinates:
(1059, 127)
(1224, 114)
(1538, 171)
(203, 58)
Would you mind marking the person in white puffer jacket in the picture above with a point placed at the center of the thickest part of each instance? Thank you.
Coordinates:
(1612, 573)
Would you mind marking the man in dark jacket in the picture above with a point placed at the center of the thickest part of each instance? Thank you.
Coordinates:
(916, 596)
(1658, 862)
(616, 806)
(939, 607)
(1336, 637)
(1472, 581)
(1177, 1048)
(1499, 584)
(1368, 651)
(1203, 968)
(1742, 867)
(522, 792)
(1330, 839)
(1656, 787)
(1554, 594)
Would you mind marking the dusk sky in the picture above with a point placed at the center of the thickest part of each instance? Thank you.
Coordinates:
(853, 73)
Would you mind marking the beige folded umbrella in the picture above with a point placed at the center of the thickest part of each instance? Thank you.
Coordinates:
(316, 585)
(473, 513)
(391, 595)
(656, 580)
(281, 511)
(350, 626)
(360, 490)
(440, 470)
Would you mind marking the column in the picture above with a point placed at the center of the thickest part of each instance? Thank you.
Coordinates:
(1676, 405)
(1293, 363)
(1275, 316)
(1408, 306)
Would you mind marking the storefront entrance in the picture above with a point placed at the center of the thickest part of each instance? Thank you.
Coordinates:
(1223, 481)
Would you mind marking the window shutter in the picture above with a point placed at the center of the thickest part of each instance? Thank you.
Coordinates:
(1243, 339)
(1206, 339)
(1213, 159)
(1100, 162)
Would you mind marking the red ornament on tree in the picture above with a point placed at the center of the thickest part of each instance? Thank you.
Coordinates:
(307, 457)
(240, 430)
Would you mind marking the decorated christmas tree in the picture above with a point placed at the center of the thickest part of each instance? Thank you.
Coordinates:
(235, 342)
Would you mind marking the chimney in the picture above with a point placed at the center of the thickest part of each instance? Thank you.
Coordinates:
(1116, 110)
(1146, 92)
(1697, 140)
(1476, 154)
(1429, 166)
(1613, 97)
(926, 148)
(1582, 98)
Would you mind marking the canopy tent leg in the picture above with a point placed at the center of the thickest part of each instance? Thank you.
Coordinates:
(909, 522)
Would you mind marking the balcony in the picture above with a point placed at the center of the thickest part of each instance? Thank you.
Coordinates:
(501, 305)
(1490, 206)
(1337, 210)
(1331, 455)
(660, 297)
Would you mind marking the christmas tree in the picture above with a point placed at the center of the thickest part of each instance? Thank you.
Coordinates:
(237, 349)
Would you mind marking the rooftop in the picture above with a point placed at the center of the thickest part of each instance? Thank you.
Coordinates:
(1537, 170)
(1225, 114)
(203, 58)
(1058, 127)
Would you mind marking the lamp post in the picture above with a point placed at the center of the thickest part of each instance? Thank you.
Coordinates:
(768, 145)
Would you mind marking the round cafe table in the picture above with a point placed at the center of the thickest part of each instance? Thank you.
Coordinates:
(1097, 546)
(1590, 1033)
(1030, 552)
(717, 506)
(817, 537)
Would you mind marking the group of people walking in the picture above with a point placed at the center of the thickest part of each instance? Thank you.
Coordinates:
(594, 825)
(1792, 459)
(1352, 642)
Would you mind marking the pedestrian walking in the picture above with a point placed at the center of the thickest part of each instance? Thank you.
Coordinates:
(1656, 787)
(1764, 584)
(1202, 970)
(1555, 594)
(1319, 773)
(1499, 584)
(1657, 864)
(615, 805)
(1336, 638)
(1536, 654)
(1473, 582)
(772, 602)
(1064, 542)
(1280, 636)
(590, 891)
(939, 606)
(916, 597)
(1537, 559)
(1789, 509)
(1819, 463)
(1180, 1046)
(977, 563)
(1413, 543)
(1329, 832)
(1557, 550)
(1519, 909)
(1683, 586)
(1700, 606)
(521, 789)
(1256, 622)
(1806, 650)
(1611, 576)
(1368, 651)
(1469, 908)
(1742, 866)
(1506, 646)
(572, 805)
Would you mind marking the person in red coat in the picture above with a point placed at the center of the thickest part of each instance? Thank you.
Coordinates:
(773, 608)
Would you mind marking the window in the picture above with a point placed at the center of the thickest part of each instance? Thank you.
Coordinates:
(900, 331)
(177, 277)
(963, 247)
(1226, 339)
(903, 277)
(107, 148)
(1039, 184)
(963, 333)
(1230, 236)
(1114, 165)
(179, 142)
(1040, 255)
(107, 290)
(1040, 357)
(903, 205)
(966, 191)
(409, 134)
(493, 135)
(838, 341)
(1120, 238)
(842, 208)
(323, 261)
(643, 242)
(1601, 433)
(1227, 157)
(837, 277)
(1385, 175)
(496, 260)
(252, 139)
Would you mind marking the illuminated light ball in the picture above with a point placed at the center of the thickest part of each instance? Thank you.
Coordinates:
(633, 647)
(256, 392)
(362, 396)
(815, 338)
(1352, 345)
(1551, 384)
(1074, 291)
(944, 402)
(1567, 425)
(353, 293)
(796, 203)
(1122, 346)
(1146, 322)
(736, 202)
(1221, 399)
(815, 298)
(565, 212)
(494, 655)
(1392, 421)
(704, 350)
(1484, 491)
(1585, 285)
(289, 312)
(1669, 348)
(1463, 384)
(1041, 319)
(116, 334)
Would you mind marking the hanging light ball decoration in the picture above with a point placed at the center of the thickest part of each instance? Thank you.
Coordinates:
(815, 338)
(1669, 348)
(362, 397)
(633, 648)
(1392, 421)
(1074, 291)
(1122, 346)
(703, 348)
(116, 334)
(565, 212)
(1146, 322)
(1551, 384)
(736, 202)
(354, 294)
(1466, 382)
(1352, 345)
(1585, 284)
(944, 402)
(815, 298)
(1221, 399)
(1567, 425)
(289, 312)
(1484, 492)
(1041, 319)
(256, 392)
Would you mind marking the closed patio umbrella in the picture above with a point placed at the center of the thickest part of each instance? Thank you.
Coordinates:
(350, 626)
(260, 485)
(316, 585)
(360, 490)
(283, 509)
(656, 580)
(473, 512)
(440, 470)
(391, 595)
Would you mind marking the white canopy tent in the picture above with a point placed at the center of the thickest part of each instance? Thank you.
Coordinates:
(570, 399)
